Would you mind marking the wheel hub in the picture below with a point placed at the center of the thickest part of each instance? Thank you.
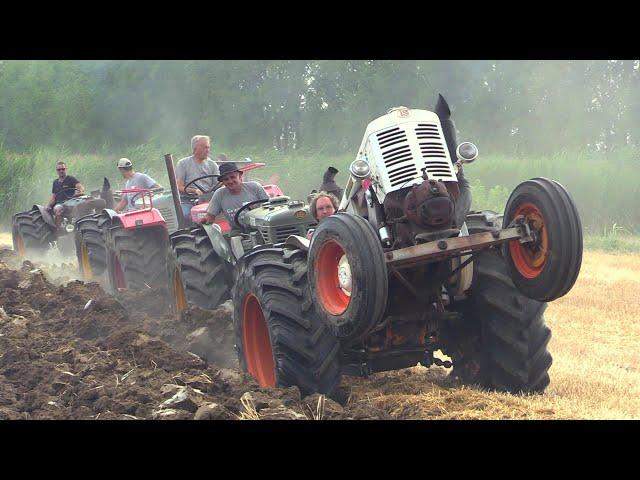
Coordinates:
(344, 275)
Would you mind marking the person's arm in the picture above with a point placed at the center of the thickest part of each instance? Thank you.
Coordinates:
(52, 200)
(181, 178)
(121, 204)
(79, 189)
(214, 208)
(260, 192)
(150, 183)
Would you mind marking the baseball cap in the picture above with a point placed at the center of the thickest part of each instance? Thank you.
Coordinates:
(226, 168)
(124, 163)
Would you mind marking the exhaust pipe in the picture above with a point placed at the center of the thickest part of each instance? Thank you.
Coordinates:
(168, 159)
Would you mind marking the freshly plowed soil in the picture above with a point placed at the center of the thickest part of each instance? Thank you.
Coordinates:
(71, 351)
(62, 357)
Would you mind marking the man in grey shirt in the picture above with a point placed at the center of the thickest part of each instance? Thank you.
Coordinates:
(197, 165)
(134, 180)
(234, 195)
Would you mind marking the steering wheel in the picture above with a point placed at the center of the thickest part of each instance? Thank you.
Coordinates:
(242, 209)
(199, 187)
(62, 191)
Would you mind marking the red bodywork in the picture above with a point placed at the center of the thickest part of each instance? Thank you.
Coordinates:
(147, 216)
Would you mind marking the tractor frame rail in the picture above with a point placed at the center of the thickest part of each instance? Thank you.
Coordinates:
(437, 250)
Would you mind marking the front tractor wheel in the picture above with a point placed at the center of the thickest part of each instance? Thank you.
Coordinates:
(348, 275)
(136, 258)
(547, 267)
(280, 339)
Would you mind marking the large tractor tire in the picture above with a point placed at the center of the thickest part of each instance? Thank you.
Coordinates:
(136, 258)
(548, 267)
(348, 275)
(91, 245)
(502, 343)
(197, 275)
(31, 234)
(280, 339)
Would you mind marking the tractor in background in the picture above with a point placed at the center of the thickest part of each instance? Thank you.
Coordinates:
(34, 232)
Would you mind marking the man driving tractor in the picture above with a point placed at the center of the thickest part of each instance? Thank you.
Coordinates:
(134, 180)
(233, 195)
(193, 167)
(64, 188)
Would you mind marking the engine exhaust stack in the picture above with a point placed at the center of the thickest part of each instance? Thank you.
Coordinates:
(168, 159)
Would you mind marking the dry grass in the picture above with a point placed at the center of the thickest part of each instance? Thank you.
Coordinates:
(5, 239)
(596, 369)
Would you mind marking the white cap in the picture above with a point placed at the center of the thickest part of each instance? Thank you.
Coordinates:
(124, 162)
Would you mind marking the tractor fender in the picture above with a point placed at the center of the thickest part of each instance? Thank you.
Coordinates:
(218, 242)
(110, 213)
(137, 218)
(298, 242)
(46, 215)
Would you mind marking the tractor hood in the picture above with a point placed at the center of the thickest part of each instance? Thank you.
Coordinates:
(280, 218)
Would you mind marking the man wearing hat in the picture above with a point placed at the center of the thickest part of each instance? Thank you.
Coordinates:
(329, 184)
(134, 180)
(234, 195)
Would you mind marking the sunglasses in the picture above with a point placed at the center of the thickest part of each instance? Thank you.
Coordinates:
(60, 169)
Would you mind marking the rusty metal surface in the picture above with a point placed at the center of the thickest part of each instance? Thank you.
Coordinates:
(451, 247)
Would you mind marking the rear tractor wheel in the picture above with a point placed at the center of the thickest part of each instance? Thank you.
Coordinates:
(197, 275)
(31, 234)
(280, 339)
(502, 343)
(136, 258)
(91, 249)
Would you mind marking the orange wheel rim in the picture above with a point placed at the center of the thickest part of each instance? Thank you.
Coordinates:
(19, 242)
(530, 258)
(257, 344)
(330, 282)
(178, 291)
(118, 274)
(87, 271)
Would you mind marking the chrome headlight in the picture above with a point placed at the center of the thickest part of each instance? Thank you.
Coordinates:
(467, 152)
(360, 168)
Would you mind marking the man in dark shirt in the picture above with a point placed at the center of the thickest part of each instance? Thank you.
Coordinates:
(64, 188)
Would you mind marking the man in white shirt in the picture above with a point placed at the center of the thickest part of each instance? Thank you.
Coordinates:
(134, 180)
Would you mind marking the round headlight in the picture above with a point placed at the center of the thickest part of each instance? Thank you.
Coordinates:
(467, 152)
(360, 168)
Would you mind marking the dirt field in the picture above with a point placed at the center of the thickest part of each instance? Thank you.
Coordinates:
(118, 359)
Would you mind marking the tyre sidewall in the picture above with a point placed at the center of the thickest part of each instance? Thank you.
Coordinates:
(369, 287)
(561, 229)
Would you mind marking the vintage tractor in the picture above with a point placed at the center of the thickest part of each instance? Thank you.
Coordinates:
(91, 233)
(404, 270)
(35, 232)
(202, 258)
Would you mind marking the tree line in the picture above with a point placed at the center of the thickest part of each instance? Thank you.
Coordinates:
(515, 107)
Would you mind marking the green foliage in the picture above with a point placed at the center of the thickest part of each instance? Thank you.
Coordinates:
(521, 107)
(605, 196)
